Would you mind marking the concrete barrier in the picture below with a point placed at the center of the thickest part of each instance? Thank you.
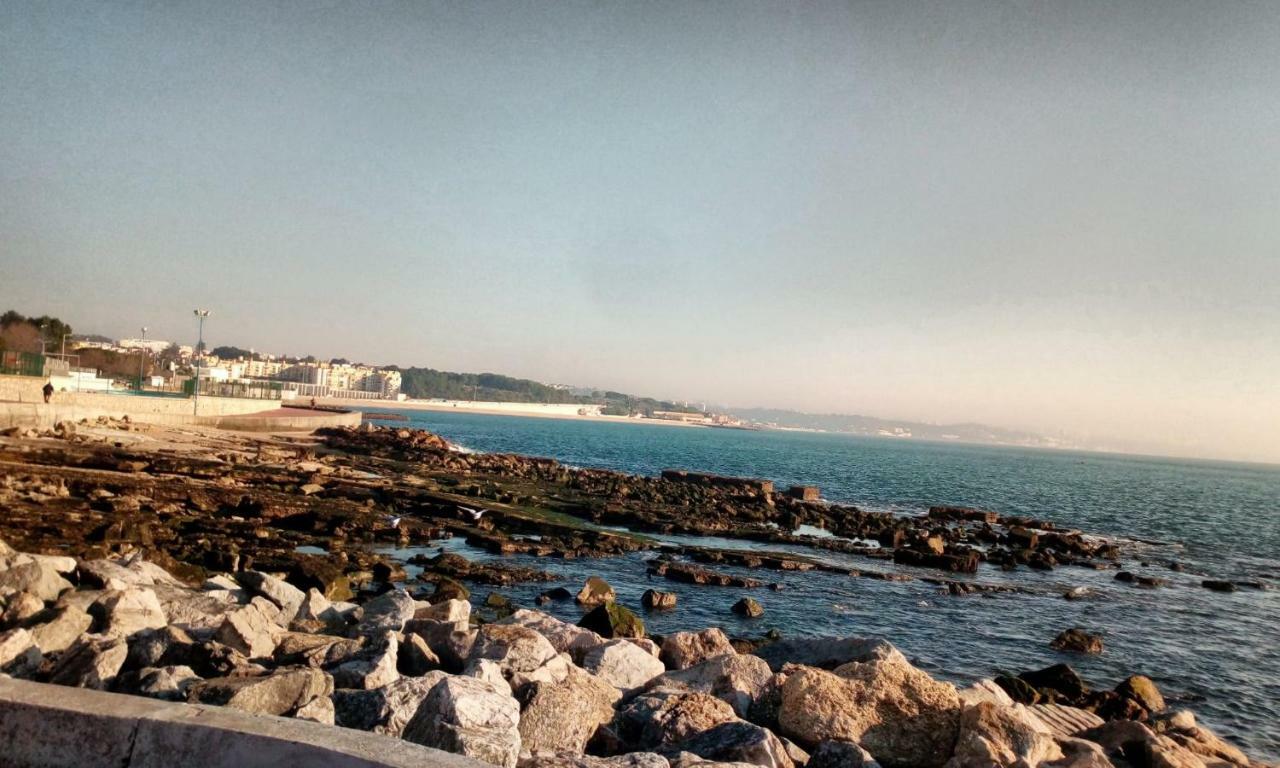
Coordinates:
(42, 416)
(49, 726)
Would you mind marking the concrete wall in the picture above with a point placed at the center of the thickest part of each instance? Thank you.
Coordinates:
(177, 406)
(47, 726)
(21, 389)
(44, 416)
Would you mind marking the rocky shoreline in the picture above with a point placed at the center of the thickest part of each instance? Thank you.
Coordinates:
(244, 572)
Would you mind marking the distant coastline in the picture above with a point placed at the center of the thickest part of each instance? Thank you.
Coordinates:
(534, 410)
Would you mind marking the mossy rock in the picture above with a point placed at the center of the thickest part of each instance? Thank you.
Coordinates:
(1143, 690)
(612, 620)
(596, 592)
(501, 605)
(449, 589)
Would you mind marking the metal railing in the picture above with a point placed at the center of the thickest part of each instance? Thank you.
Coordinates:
(13, 363)
(260, 390)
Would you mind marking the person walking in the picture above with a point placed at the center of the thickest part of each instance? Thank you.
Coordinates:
(48, 390)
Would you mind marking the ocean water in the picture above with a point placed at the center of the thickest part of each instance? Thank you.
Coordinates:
(1219, 654)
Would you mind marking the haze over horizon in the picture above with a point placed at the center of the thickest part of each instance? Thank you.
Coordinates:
(1057, 217)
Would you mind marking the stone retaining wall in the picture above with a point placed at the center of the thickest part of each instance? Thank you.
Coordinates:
(47, 726)
(42, 416)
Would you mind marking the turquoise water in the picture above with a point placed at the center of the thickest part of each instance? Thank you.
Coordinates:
(1220, 653)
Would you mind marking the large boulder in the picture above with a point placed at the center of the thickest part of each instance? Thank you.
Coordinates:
(19, 653)
(122, 612)
(571, 760)
(898, 713)
(738, 742)
(1080, 753)
(375, 666)
(318, 650)
(1143, 690)
(656, 600)
(251, 629)
(456, 611)
(993, 735)
(1136, 744)
(622, 664)
(1076, 640)
(611, 620)
(286, 597)
(563, 636)
(682, 650)
(283, 692)
(563, 716)
(984, 690)
(1058, 680)
(167, 683)
(199, 611)
(520, 653)
(385, 710)
(596, 592)
(416, 657)
(1181, 727)
(387, 612)
(471, 717)
(401, 700)
(35, 577)
(824, 652)
(20, 607)
(59, 633)
(738, 679)
(451, 643)
(93, 661)
(657, 719)
(841, 754)
(132, 571)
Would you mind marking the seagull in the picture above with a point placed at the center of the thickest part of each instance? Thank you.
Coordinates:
(476, 514)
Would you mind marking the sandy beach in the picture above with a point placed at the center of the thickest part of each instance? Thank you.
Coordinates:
(535, 410)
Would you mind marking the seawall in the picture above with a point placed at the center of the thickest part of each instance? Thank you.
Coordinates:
(48, 726)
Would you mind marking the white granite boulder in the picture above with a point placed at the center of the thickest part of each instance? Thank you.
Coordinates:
(739, 679)
(471, 717)
(622, 664)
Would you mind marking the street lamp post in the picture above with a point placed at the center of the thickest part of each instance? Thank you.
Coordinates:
(201, 314)
(142, 359)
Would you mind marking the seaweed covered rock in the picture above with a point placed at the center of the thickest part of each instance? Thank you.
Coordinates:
(596, 592)
(611, 620)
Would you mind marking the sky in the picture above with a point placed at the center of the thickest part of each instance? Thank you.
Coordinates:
(1055, 216)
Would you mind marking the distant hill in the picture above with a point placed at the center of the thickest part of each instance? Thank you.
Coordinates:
(878, 427)
(425, 383)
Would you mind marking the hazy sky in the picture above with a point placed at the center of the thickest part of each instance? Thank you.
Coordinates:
(1057, 216)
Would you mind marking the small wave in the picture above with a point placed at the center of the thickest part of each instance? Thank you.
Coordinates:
(459, 448)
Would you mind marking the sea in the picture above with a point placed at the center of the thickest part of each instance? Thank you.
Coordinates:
(1215, 653)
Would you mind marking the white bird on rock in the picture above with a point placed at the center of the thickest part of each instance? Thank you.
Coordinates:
(475, 514)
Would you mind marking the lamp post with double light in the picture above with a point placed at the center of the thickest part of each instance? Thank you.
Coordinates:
(200, 314)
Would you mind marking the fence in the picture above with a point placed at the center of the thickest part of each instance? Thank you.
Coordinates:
(258, 390)
(15, 363)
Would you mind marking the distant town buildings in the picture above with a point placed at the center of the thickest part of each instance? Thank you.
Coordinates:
(154, 346)
(306, 379)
